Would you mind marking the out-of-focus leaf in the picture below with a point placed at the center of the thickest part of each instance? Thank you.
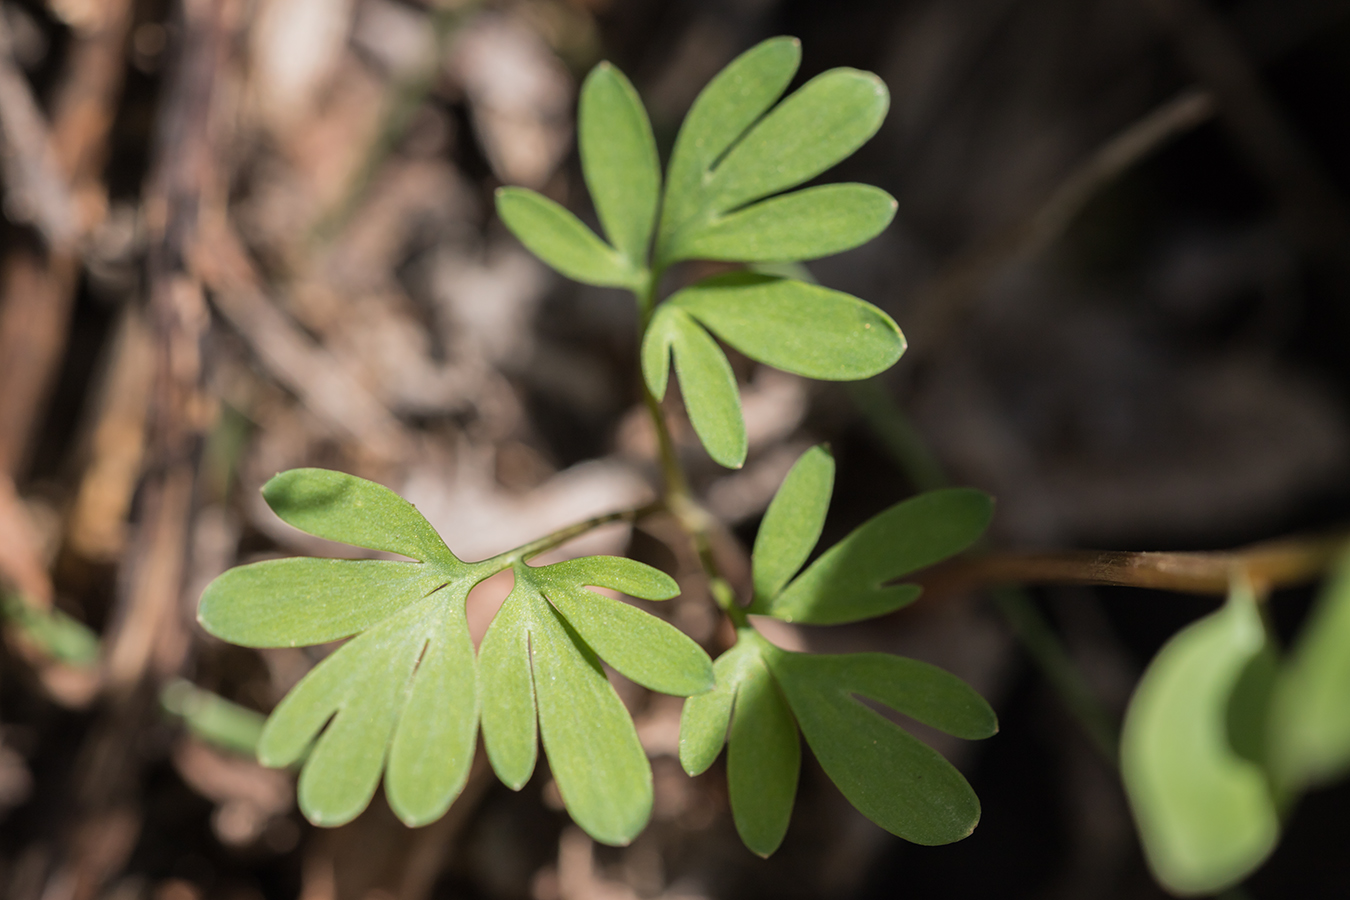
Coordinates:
(724, 109)
(58, 635)
(213, 718)
(1310, 713)
(764, 757)
(895, 780)
(848, 581)
(801, 328)
(793, 522)
(806, 224)
(618, 157)
(1206, 815)
(706, 381)
(706, 717)
(563, 241)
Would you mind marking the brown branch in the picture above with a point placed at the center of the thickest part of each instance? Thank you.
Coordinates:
(1270, 565)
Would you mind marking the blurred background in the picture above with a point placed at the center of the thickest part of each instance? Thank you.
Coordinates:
(245, 235)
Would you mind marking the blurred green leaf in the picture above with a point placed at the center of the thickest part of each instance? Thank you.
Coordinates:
(850, 580)
(706, 381)
(1310, 713)
(793, 522)
(801, 328)
(58, 635)
(618, 157)
(733, 101)
(213, 718)
(563, 241)
(1206, 815)
(806, 224)
(764, 757)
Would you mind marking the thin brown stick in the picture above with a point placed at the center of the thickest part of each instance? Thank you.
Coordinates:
(1271, 565)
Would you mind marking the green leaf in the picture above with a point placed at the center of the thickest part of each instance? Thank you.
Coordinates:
(706, 717)
(212, 718)
(723, 110)
(818, 125)
(801, 328)
(591, 744)
(560, 239)
(656, 349)
(1310, 714)
(895, 780)
(848, 581)
(651, 652)
(1206, 815)
(764, 757)
(61, 637)
(342, 507)
(301, 601)
(618, 158)
(793, 522)
(706, 381)
(806, 224)
(402, 692)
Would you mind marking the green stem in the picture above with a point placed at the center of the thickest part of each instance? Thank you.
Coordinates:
(563, 535)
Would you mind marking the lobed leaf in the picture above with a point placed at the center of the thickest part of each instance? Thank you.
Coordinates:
(895, 780)
(618, 158)
(801, 328)
(733, 101)
(510, 730)
(1205, 813)
(848, 581)
(764, 758)
(706, 717)
(806, 224)
(563, 241)
(342, 507)
(706, 381)
(793, 522)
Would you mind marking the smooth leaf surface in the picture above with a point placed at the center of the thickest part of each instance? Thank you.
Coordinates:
(1206, 815)
(894, 779)
(733, 101)
(793, 522)
(656, 349)
(706, 717)
(510, 723)
(618, 158)
(797, 327)
(807, 224)
(1310, 713)
(764, 758)
(708, 386)
(848, 581)
(563, 241)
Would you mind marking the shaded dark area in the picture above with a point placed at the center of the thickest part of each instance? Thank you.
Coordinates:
(241, 237)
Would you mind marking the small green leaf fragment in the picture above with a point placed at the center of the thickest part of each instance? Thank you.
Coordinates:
(1310, 713)
(793, 522)
(807, 224)
(898, 782)
(705, 717)
(618, 158)
(212, 718)
(508, 691)
(434, 741)
(655, 654)
(593, 749)
(615, 572)
(733, 101)
(1206, 815)
(797, 327)
(656, 344)
(814, 128)
(61, 637)
(301, 601)
(846, 583)
(562, 240)
(764, 758)
(342, 507)
(710, 392)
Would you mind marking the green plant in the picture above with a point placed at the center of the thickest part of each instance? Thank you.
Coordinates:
(404, 698)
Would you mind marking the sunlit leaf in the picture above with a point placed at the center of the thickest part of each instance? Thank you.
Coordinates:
(724, 109)
(1205, 813)
(793, 522)
(618, 157)
(510, 729)
(1310, 713)
(563, 241)
(850, 580)
(764, 757)
(801, 328)
(806, 224)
